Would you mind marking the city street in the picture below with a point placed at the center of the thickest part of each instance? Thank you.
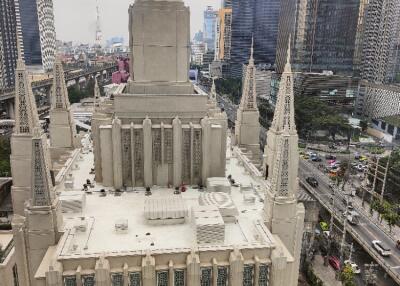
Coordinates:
(366, 231)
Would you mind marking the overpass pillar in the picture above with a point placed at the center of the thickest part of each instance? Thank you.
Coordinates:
(10, 109)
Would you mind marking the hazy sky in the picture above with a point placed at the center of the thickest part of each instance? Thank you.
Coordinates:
(75, 20)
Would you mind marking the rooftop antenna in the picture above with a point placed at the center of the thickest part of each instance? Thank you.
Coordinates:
(99, 34)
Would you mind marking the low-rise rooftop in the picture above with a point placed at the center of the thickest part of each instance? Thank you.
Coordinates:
(115, 222)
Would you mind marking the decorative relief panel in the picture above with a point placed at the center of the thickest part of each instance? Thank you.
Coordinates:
(138, 154)
(126, 156)
(156, 134)
(186, 160)
(168, 146)
(197, 154)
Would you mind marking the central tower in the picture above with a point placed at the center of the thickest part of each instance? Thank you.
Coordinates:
(160, 46)
(161, 130)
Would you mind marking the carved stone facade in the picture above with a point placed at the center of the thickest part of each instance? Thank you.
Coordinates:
(177, 133)
(247, 126)
(62, 125)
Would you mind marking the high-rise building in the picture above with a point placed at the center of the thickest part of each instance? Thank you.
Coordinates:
(379, 37)
(226, 3)
(8, 43)
(325, 35)
(210, 19)
(256, 19)
(224, 35)
(37, 32)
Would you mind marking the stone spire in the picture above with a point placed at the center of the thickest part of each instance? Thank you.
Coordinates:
(283, 120)
(42, 188)
(26, 116)
(213, 93)
(249, 95)
(284, 110)
(59, 90)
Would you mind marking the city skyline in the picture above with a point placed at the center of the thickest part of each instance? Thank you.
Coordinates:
(79, 25)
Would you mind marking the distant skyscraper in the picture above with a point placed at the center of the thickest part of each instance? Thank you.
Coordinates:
(210, 18)
(258, 19)
(378, 39)
(37, 32)
(224, 34)
(325, 35)
(226, 3)
(8, 43)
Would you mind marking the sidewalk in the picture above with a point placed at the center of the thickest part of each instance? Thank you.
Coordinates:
(325, 273)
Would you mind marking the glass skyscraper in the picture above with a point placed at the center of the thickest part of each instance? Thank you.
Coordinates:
(8, 43)
(326, 35)
(210, 19)
(258, 19)
(37, 31)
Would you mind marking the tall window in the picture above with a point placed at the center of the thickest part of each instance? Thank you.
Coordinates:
(69, 281)
(222, 276)
(263, 280)
(88, 280)
(162, 278)
(117, 279)
(248, 273)
(206, 276)
(179, 277)
(134, 279)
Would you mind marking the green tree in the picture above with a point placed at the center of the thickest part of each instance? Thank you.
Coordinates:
(5, 152)
(347, 275)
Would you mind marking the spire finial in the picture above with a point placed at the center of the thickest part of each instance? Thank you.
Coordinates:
(252, 51)
(288, 67)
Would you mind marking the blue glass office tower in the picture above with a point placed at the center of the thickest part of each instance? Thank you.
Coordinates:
(210, 20)
(8, 43)
(258, 19)
(30, 32)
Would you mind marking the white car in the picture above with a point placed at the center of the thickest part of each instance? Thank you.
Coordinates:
(381, 248)
(354, 266)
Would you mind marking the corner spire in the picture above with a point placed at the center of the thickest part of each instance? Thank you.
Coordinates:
(251, 60)
(284, 110)
(26, 116)
(249, 94)
(59, 90)
(213, 92)
(42, 189)
(96, 93)
(288, 66)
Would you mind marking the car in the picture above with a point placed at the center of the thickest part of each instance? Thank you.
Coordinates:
(331, 161)
(357, 155)
(324, 226)
(316, 159)
(363, 158)
(381, 248)
(330, 157)
(354, 266)
(312, 182)
(334, 262)
(332, 146)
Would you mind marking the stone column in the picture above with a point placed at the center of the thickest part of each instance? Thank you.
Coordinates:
(215, 271)
(280, 274)
(102, 270)
(78, 276)
(117, 153)
(149, 270)
(177, 151)
(106, 147)
(18, 229)
(148, 152)
(236, 262)
(193, 269)
(171, 273)
(133, 154)
(191, 151)
(205, 145)
(10, 108)
(256, 270)
(54, 275)
(126, 274)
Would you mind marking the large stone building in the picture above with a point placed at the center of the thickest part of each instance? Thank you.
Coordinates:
(103, 235)
(158, 132)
